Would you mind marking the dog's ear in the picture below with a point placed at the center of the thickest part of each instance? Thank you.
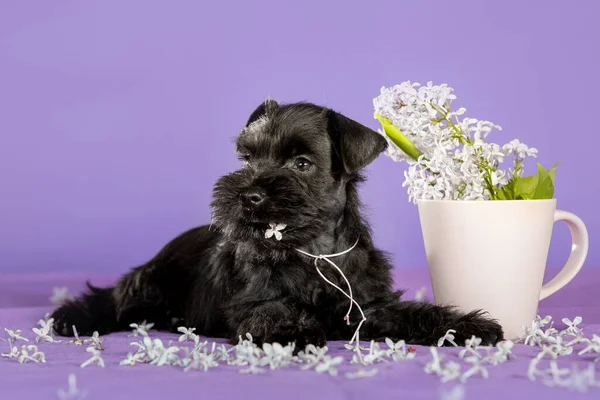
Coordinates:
(356, 145)
(263, 110)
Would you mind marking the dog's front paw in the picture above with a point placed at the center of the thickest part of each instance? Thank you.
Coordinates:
(479, 325)
(273, 322)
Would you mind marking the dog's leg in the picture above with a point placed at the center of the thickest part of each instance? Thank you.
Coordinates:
(424, 324)
(276, 321)
(156, 291)
(137, 296)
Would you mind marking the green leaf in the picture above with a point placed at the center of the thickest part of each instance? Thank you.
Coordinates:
(525, 187)
(545, 187)
(508, 190)
(399, 138)
(552, 172)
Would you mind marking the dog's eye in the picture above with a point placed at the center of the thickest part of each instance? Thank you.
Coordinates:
(302, 164)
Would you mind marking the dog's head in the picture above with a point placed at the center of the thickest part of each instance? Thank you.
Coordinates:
(298, 160)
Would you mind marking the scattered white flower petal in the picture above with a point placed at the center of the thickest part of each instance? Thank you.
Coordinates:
(73, 392)
(96, 358)
(60, 295)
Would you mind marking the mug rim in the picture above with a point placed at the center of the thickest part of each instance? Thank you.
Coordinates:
(486, 201)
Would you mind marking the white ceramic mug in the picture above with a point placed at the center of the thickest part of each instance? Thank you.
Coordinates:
(491, 255)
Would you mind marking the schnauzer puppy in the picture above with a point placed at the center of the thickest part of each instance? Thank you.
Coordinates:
(301, 170)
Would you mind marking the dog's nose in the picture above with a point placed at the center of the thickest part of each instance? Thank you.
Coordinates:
(252, 198)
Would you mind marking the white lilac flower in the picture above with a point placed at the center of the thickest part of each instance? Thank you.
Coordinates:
(542, 322)
(471, 347)
(448, 337)
(275, 230)
(13, 352)
(44, 332)
(165, 355)
(186, 334)
(398, 350)
(96, 358)
(328, 365)
(203, 360)
(477, 367)
(592, 345)
(14, 335)
(95, 341)
(533, 334)
(572, 326)
(521, 150)
(502, 353)
(132, 359)
(375, 355)
(30, 353)
(73, 392)
(141, 329)
(574, 378)
(76, 340)
(276, 355)
(312, 355)
(225, 353)
(362, 373)
(558, 346)
(455, 162)
(435, 365)
(60, 295)
(450, 372)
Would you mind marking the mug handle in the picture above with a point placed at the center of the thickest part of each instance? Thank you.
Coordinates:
(579, 250)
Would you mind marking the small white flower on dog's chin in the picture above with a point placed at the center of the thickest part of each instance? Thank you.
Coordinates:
(275, 230)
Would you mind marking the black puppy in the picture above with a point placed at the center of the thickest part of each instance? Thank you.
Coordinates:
(301, 168)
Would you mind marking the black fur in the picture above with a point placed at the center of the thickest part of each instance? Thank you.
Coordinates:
(228, 279)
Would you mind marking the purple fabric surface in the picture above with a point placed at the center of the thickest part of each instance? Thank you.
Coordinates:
(24, 299)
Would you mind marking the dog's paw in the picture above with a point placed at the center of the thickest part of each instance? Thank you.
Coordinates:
(479, 325)
(272, 323)
(74, 314)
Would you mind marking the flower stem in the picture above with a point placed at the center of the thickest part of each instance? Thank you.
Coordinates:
(399, 138)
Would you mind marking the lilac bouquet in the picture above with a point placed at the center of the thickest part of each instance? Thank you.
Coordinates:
(447, 153)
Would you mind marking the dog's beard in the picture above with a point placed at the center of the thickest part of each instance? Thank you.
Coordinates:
(287, 202)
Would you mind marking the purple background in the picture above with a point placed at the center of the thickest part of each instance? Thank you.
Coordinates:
(116, 117)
